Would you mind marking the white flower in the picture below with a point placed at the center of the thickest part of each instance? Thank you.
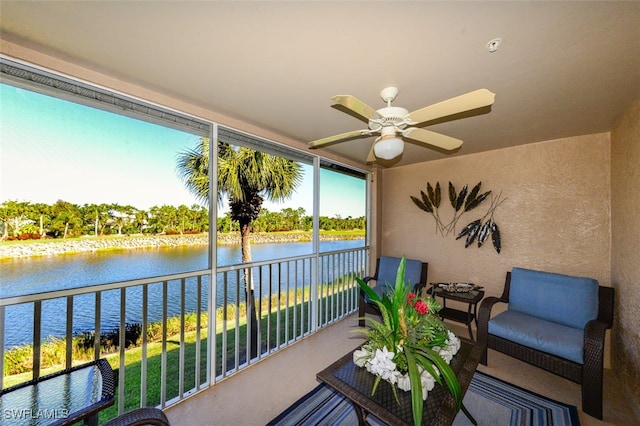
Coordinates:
(381, 364)
(427, 382)
(361, 356)
(404, 383)
(453, 343)
(446, 355)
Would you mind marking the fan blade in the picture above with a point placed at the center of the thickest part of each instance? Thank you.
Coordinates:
(432, 138)
(339, 138)
(356, 105)
(371, 158)
(472, 100)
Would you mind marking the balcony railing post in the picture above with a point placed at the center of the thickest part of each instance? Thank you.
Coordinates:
(182, 347)
(37, 322)
(324, 280)
(212, 344)
(96, 343)
(163, 358)
(122, 338)
(144, 332)
(198, 333)
(69, 333)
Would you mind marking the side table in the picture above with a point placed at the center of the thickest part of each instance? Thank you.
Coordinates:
(471, 298)
(59, 399)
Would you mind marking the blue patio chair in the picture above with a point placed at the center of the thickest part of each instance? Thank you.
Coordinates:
(385, 278)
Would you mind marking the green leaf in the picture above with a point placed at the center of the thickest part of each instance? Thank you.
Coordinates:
(368, 290)
(445, 371)
(438, 195)
(400, 286)
(416, 388)
(428, 366)
(375, 385)
(451, 380)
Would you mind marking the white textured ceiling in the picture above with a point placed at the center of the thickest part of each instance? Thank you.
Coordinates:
(563, 69)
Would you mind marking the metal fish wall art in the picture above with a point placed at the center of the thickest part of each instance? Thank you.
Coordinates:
(463, 202)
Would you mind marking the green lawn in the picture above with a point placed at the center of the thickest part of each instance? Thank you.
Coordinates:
(276, 329)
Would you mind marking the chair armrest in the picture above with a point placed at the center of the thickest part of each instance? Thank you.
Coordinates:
(484, 315)
(366, 281)
(592, 367)
(362, 309)
(139, 417)
(594, 333)
(418, 287)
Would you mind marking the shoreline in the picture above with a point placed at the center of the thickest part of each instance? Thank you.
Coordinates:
(38, 248)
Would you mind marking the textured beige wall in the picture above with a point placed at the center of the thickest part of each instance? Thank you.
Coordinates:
(625, 248)
(555, 215)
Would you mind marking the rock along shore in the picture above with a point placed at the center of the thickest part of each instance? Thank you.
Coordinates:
(92, 244)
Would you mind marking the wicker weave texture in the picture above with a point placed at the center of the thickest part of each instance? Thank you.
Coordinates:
(589, 374)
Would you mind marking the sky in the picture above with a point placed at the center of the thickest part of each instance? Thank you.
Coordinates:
(52, 150)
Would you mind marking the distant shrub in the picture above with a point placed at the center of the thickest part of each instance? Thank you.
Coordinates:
(30, 236)
(18, 360)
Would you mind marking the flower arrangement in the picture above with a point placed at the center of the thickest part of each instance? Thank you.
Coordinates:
(411, 348)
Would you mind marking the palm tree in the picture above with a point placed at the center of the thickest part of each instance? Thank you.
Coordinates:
(246, 177)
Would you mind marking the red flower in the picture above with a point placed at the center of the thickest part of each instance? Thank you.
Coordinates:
(410, 298)
(421, 307)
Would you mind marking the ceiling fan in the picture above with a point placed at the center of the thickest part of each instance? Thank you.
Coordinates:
(395, 123)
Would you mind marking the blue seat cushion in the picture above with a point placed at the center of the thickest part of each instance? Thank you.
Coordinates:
(565, 299)
(387, 270)
(546, 336)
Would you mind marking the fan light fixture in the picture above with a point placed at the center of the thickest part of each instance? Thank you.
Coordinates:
(388, 148)
(394, 124)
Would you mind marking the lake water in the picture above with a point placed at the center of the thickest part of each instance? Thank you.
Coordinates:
(42, 274)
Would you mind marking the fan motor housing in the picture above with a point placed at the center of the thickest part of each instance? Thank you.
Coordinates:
(389, 116)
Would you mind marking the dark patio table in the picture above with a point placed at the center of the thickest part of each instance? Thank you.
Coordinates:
(471, 298)
(356, 384)
(62, 398)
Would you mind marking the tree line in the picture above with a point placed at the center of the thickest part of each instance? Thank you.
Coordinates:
(26, 220)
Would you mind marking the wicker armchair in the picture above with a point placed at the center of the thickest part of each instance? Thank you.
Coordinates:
(589, 373)
(144, 416)
(386, 269)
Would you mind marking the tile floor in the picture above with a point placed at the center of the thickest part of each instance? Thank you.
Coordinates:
(259, 393)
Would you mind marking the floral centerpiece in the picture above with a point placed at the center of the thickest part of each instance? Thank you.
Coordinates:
(411, 347)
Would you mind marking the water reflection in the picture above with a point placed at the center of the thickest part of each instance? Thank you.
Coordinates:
(36, 275)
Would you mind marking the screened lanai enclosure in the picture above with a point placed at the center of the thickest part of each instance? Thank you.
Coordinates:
(171, 320)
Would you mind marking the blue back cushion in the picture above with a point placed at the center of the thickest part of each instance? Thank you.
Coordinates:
(564, 299)
(388, 268)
